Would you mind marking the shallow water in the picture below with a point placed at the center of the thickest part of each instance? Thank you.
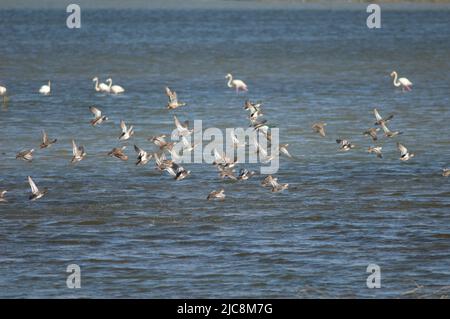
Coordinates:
(137, 233)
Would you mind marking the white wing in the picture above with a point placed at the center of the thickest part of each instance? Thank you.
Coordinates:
(172, 95)
(274, 182)
(174, 98)
(405, 81)
(74, 148)
(377, 115)
(44, 137)
(239, 83)
(403, 150)
(95, 111)
(123, 126)
(285, 151)
(33, 186)
(117, 89)
(178, 125)
(385, 128)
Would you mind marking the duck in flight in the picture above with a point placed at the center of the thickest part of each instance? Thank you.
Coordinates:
(223, 161)
(182, 129)
(405, 155)
(375, 150)
(143, 157)
(98, 117)
(26, 155)
(36, 193)
(283, 149)
(267, 181)
(78, 152)
(46, 142)
(260, 125)
(173, 99)
(162, 162)
(226, 172)
(380, 120)
(245, 174)
(372, 132)
(276, 187)
(345, 145)
(272, 182)
(252, 107)
(119, 153)
(255, 115)
(161, 142)
(389, 133)
(126, 132)
(177, 171)
(319, 128)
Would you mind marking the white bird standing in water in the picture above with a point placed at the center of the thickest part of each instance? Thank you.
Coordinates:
(237, 84)
(116, 89)
(45, 89)
(102, 87)
(3, 93)
(403, 82)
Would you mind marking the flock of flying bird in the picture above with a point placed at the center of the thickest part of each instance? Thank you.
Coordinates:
(225, 165)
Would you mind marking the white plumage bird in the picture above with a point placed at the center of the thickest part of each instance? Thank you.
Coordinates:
(3, 93)
(237, 84)
(45, 89)
(403, 82)
(116, 89)
(102, 87)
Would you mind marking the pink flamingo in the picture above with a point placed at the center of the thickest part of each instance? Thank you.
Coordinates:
(403, 82)
(238, 84)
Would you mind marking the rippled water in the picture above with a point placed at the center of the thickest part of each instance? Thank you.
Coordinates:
(137, 233)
